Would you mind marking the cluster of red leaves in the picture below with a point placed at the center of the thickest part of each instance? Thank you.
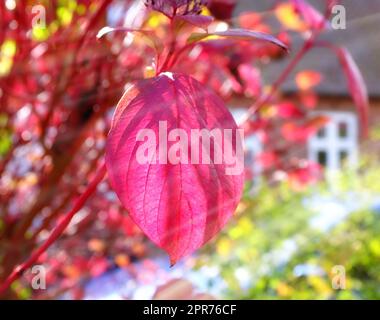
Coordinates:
(56, 98)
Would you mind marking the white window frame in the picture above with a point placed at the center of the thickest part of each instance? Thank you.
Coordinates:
(333, 144)
(252, 143)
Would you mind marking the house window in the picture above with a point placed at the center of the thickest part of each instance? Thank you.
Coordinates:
(337, 143)
(252, 145)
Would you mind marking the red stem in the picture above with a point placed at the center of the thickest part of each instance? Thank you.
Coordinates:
(284, 75)
(179, 53)
(56, 233)
(172, 47)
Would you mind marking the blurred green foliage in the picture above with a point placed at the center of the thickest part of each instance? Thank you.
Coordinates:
(5, 136)
(273, 251)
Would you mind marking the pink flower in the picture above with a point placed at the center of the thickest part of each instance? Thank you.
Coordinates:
(173, 8)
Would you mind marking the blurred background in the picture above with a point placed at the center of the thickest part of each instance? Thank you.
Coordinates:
(308, 225)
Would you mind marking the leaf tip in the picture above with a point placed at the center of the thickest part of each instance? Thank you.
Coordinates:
(173, 262)
(103, 31)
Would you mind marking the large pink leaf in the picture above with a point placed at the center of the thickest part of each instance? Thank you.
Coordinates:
(357, 86)
(178, 206)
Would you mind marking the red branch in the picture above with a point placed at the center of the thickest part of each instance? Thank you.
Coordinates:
(284, 75)
(307, 46)
(56, 233)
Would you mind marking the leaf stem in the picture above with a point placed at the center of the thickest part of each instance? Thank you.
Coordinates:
(172, 48)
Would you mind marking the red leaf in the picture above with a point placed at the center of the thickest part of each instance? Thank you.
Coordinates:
(308, 79)
(97, 266)
(197, 20)
(222, 9)
(295, 133)
(253, 126)
(252, 79)
(307, 174)
(357, 87)
(268, 159)
(240, 34)
(178, 206)
(289, 110)
(309, 99)
(300, 133)
(312, 16)
(250, 20)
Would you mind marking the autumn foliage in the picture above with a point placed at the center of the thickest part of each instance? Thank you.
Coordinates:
(175, 61)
